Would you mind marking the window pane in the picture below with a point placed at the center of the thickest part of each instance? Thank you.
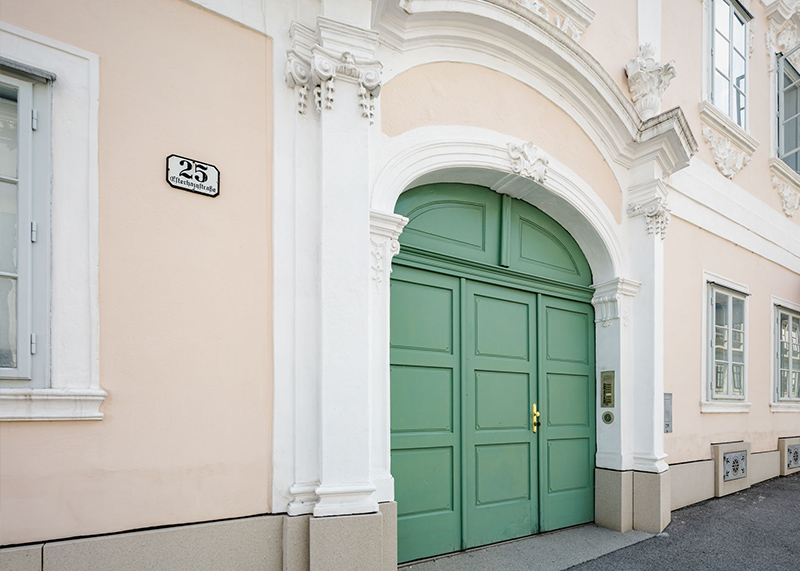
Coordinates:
(721, 344)
(790, 135)
(737, 347)
(738, 385)
(722, 54)
(738, 75)
(795, 385)
(792, 161)
(721, 379)
(795, 347)
(738, 314)
(790, 100)
(784, 388)
(8, 132)
(740, 110)
(720, 309)
(784, 342)
(738, 33)
(8, 227)
(722, 15)
(8, 322)
(721, 95)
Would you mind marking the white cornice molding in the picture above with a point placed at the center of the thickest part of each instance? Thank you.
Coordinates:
(787, 183)
(647, 81)
(667, 139)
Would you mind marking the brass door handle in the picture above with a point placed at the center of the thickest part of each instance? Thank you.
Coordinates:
(534, 421)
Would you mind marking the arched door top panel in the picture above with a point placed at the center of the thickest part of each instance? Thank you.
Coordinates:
(474, 223)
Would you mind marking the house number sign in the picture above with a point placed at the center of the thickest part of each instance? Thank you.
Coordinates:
(192, 175)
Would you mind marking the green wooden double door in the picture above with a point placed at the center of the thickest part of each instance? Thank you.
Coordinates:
(470, 358)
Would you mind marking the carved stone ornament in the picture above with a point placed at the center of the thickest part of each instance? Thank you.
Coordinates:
(572, 18)
(312, 69)
(783, 31)
(528, 161)
(727, 157)
(790, 197)
(657, 214)
(647, 81)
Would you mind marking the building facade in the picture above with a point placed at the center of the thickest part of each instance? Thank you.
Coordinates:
(337, 284)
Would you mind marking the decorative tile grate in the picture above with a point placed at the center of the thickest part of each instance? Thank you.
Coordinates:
(735, 466)
(793, 456)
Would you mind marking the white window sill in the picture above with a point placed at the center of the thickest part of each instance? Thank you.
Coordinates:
(724, 406)
(784, 407)
(51, 404)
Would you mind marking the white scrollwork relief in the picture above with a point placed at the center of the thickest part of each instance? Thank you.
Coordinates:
(608, 300)
(647, 81)
(790, 197)
(727, 157)
(657, 214)
(528, 161)
(572, 18)
(310, 67)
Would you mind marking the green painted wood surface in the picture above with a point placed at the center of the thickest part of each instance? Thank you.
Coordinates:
(469, 357)
(499, 389)
(474, 223)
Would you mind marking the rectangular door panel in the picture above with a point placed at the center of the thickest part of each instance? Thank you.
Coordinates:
(501, 459)
(426, 412)
(567, 437)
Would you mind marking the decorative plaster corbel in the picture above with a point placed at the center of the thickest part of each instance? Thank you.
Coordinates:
(528, 161)
(647, 81)
(384, 231)
(607, 300)
(657, 213)
(790, 197)
(729, 159)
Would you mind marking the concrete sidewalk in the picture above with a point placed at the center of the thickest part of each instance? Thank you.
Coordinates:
(758, 528)
(546, 552)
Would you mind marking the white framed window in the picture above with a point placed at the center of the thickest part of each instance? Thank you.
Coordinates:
(24, 226)
(725, 346)
(786, 362)
(729, 51)
(789, 108)
(52, 370)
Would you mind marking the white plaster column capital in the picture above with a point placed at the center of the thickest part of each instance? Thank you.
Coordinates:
(334, 52)
(657, 214)
(647, 81)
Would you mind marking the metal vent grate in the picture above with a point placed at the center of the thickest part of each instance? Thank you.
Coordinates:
(735, 465)
(793, 456)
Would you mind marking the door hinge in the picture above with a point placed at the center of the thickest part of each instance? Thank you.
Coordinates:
(34, 231)
(34, 119)
(33, 343)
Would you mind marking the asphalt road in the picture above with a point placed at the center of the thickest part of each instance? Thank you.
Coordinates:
(758, 528)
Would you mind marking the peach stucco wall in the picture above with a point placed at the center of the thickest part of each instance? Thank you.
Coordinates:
(185, 283)
(612, 37)
(684, 305)
(466, 94)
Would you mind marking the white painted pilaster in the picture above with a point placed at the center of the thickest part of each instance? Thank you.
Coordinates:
(384, 231)
(613, 302)
(649, 24)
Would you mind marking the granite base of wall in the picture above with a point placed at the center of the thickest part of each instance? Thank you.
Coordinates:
(261, 543)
